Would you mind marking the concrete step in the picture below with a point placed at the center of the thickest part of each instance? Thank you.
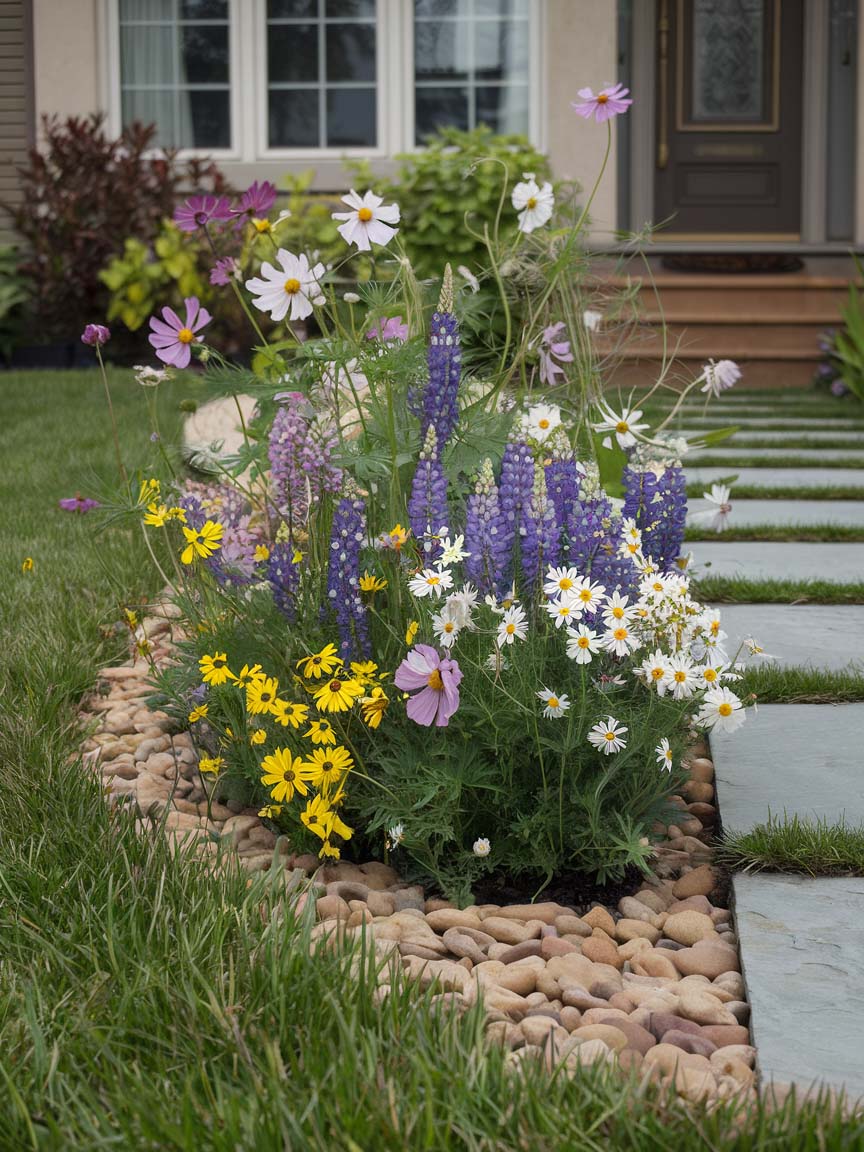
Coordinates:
(740, 341)
(772, 560)
(798, 635)
(780, 477)
(758, 513)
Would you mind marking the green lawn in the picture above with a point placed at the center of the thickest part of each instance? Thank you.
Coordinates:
(147, 1005)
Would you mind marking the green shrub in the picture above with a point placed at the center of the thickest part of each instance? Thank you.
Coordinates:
(13, 297)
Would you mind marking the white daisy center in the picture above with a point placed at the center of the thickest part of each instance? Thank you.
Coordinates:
(292, 286)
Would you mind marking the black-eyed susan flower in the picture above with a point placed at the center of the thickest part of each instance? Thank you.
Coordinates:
(371, 583)
(149, 491)
(284, 774)
(197, 713)
(373, 706)
(411, 631)
(329, 850)
(215, 670)
(364, 671)
(328, 766)
(261, 695)
(320, 732)
(158, 515)
(315, 814)
(270, 811)
(289, 714)
(261, 554)
(397, 536)
(210, 765)
(203, 541)
(320, 663)
(249, 675)
(257, 736)
(337, 695)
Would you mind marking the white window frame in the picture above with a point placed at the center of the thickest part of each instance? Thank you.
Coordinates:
(395, 91)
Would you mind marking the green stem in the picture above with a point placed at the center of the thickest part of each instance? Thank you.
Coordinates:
(120, 465)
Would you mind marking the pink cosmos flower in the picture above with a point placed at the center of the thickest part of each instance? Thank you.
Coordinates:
(224, 271)
(391, 329)
(95, 335)
(435, 683)
(200, 210)
(78, 503)
(172, 338)
(256, 201)
(609, 102)
(552, 349)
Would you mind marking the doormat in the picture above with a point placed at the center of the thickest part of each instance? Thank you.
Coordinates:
(732, 262)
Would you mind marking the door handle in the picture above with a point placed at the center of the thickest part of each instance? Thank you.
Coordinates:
(663, 85)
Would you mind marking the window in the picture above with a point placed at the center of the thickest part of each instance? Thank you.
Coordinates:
(175, 70)
(471, 65)
(322, 66)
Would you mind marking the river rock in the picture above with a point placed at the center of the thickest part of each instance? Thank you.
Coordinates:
(600, 949)
(710, 957)
(521, 951)
(688, 927)
(611, 1036)
(629, 929)
(508, 931)
(700, 881)
(599, 917)
(702, 1008)
(724, 1035)
(689, 1042)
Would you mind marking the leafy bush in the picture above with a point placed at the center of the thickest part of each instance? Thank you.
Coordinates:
(13, 296)
(83, 194)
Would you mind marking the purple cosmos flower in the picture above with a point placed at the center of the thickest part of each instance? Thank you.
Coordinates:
(551, 350)
(198, 211)
(95, 335)
(171, 337)
(435, 683)
(256, 201)
(609, 101)
(389, 331)
(78, 503)
(224, 271)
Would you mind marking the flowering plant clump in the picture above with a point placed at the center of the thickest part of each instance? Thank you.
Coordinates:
(416, 622)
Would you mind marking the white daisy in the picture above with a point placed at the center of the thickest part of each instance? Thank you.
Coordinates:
(560, 580)
(583, 644)
(721, 709)
(446, 626)
(430, 582)
(533, 203)
(712, 674)
(664, 755)
(592, 320)
(624, 426)
(616, 610)
(656, 672)
(655, 587)
(719, 376)
(513, 626)
(683, 679)
(621, 641)
(368, 222)
(630, 531)
(462, 603)
(292, 285)
(452, 552)
(508, 600)
(481, 847)
(564, 611)
(606, 737)
(542, 419)
(556, 703)
(589, 595)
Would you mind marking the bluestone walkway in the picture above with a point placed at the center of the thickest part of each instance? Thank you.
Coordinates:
(774, 477)
(767, 560)
(753, 513)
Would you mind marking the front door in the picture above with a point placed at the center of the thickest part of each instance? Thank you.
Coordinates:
(728, 148)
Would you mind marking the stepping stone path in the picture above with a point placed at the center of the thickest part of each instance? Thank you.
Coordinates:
(775, 456)
(801, 939)
(767, 560)
(759, 436)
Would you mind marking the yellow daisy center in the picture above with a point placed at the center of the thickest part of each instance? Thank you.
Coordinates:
(622, 426)
(433, 580)
(583, 642)
(586, 594)
(510, 629)
(261, 225)
(364, 214)
(565, 583)
(531, 202)
(680, 677)
(610, 736)
(449, 626)
(292, 286)
(553, 702)
(657, 673)
(710, 674)
(564, 610)
(618, 613)
(725, 709)
(185, 335)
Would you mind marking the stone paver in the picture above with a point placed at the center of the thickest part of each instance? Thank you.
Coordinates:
(218, 420)
(746, 513)
(761, 560)
(802, 759)
(802, 941)
(758, 436)
(780, 477)
(800, 635)
(775, 456)
(797, 423)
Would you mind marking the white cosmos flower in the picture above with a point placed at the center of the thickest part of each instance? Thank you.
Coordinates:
(481, 847)
(533, 203)
(683, 676)
(617, 610)
(368, 222)
(560, 580)
(592, 320)
(621, 641)
(543, 419)
(446, 626)
(664, 755)
(565, 610)
(656, 672)
(556, 703)
(452, 551)
(292, 285)
(513, 626)
(607, 736)
(430, 582)
(462, 603)
(719, 376)
(589, 595)
(756, 649)
(721, 709)
(583, 644)
(624, 426)
(717, 517)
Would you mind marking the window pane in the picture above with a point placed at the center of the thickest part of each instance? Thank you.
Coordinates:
(362, 8)
(204, 55)
(203, 9)
(292, 53)
(350, 52)
(437, 106)
(147, 55)
(204, 119)
(351, 118)
(500, 50)
(146, 10)
(293, 118)
(291, 9)
(504, 109)
(500, 7)
(154, 107)
(440, 50)
(429, 9)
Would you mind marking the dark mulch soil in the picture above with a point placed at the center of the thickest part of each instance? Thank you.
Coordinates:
(572, 889)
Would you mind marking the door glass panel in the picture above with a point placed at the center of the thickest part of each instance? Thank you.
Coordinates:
(728, 54)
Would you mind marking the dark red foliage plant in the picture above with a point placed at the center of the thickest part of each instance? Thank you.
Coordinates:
(84, 193)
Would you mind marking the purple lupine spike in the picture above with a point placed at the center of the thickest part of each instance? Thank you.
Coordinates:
(427, 504)
(486, 564)
(515, 489)
(301, 453)
(539, 533)
(594, 543)
(563, 477)
(657, 501)
(343, 576)
(316, 457)
(441, 396)
(283, 576)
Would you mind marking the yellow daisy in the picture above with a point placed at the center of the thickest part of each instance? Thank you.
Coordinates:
(411, 631)
(210, 765)
(286, 712)
(320, 732)
(370, 583)
(364, 673)
(320, 664)
(198, 713)
(314, 815)
(259, 736)
(284, 775)
(330, 850)
(262, 553)
(215, 670)
(329, 765)
(270, 811)
(261, 695)
(249, 675)
(202, 541)
(372, 707)
(337, 695)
